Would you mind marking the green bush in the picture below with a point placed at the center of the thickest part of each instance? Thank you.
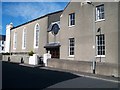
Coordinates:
(31, 53)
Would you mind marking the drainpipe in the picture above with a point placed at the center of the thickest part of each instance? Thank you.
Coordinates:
(94, 45)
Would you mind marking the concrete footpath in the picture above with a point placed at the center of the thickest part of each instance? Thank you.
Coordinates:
(83, 74)
(89, 75)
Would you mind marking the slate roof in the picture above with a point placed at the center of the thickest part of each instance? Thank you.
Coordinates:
(52, 45)
(37, 19)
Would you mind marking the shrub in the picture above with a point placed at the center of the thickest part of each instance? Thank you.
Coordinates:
(7, 53)
(31, 53)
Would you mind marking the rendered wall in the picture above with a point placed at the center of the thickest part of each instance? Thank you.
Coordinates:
(84, 66)
(84, 34)
(16, 58)
(30, 37)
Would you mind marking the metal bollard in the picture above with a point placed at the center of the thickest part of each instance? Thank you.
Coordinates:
(94, 66)
(8, 59)
(22, 60)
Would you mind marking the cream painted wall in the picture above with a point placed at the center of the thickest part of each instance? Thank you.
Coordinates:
(30, 36)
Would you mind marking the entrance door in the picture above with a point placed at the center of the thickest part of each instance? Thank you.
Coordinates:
(55, 52)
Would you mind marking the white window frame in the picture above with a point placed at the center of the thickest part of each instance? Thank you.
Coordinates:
(36, 38)
(69, 51)
(15, 40)
(71, 19)
(24, 38)
(99, 13)
(102, 45)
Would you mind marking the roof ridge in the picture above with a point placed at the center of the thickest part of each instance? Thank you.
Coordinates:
(37, 18)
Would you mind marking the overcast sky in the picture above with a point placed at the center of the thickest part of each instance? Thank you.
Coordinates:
(21, 12)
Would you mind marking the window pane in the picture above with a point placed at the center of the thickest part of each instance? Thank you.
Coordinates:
(37, 35)
(24, 38)
(72, 19)
(100, 44)
(72, 49)
(100, 37)
(98, 52)
(71, 46)
(102, 8)
(100, 12)
(103, 47)
(103, 52)
(73, 15)
(72, 53)
(102, 15)
(74, 22)
(98, 48)
(15, 40)
(37, 27)
(103, 37)
(70, 16)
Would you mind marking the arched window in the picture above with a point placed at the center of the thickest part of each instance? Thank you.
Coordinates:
(15, 40)
(36, 35)
(24, 38)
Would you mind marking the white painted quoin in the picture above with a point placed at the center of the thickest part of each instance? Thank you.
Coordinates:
(7, 44)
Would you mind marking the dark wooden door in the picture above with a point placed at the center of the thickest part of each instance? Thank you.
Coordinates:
(55, 52)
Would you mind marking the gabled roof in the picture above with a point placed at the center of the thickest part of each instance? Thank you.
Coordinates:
(37, 19)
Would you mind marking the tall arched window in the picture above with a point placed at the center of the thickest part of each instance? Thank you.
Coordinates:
(36, 35)
(15, 40)
(24, 38)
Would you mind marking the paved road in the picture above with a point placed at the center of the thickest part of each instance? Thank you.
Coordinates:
(16, 76)
(83, 82)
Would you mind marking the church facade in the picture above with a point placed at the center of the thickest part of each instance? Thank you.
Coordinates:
(32, 36)
(85, 32)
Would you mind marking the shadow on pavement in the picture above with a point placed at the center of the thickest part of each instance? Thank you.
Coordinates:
(16, 76)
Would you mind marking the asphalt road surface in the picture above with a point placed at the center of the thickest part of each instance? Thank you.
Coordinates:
(17, 76)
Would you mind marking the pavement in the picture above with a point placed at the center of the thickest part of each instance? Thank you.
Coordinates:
(83, 74)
